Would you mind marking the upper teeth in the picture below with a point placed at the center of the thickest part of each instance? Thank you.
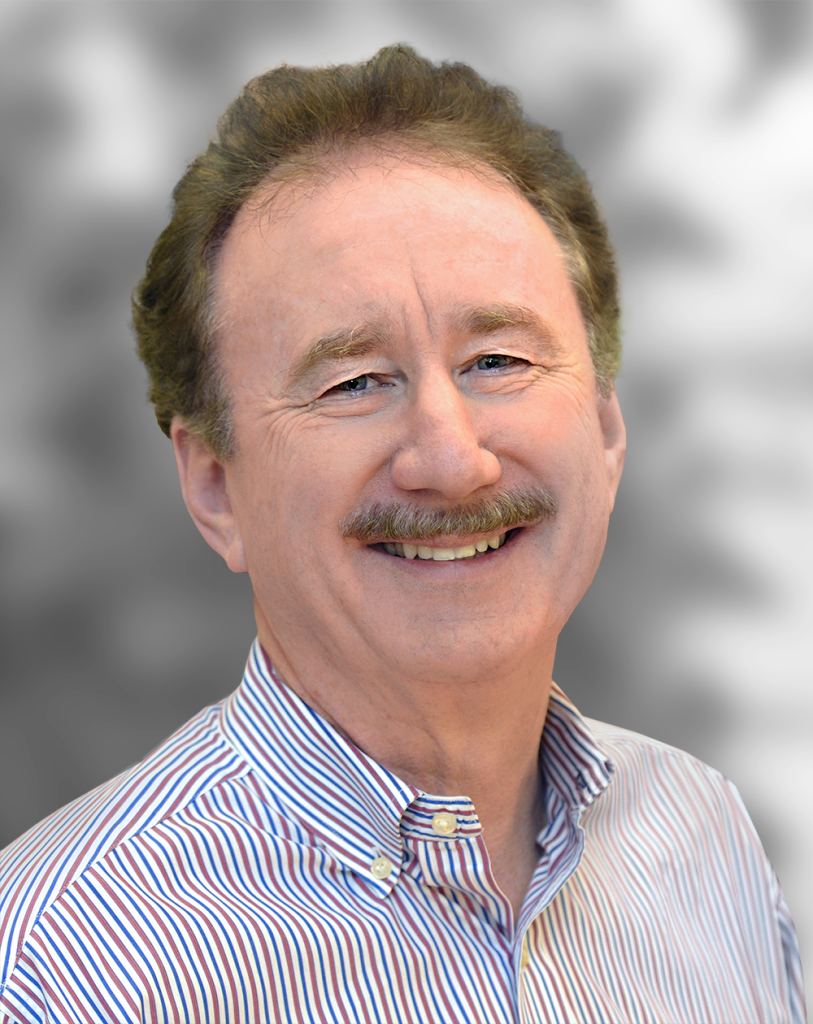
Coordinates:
(405, 550)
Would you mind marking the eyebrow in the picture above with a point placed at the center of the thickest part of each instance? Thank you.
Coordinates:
(346, 343)
(482, 321)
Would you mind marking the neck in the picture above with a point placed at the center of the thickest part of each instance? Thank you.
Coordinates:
(475, 737)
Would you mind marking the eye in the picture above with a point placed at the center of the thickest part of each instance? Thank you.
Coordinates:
(369, 383)
(354, 384)
(494, 361)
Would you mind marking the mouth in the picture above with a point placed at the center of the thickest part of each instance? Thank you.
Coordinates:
(482, 548)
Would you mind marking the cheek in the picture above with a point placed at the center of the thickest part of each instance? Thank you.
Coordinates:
(311, 475)
(570, 461)
(565, 436)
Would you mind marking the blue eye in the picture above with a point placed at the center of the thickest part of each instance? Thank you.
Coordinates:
(354, 384)
(492, 362)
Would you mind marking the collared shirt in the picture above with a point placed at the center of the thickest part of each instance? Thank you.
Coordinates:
(259, 867)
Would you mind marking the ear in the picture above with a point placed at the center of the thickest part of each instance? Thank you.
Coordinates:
(204, 484)
(615, 440)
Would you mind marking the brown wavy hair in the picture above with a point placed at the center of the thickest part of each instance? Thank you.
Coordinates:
(281, 128)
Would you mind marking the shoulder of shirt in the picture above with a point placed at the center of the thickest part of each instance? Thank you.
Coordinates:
(633, 753)
(37, 868)
(616, 737)
(622, 745)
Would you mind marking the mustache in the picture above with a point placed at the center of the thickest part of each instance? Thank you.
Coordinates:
(395, 521)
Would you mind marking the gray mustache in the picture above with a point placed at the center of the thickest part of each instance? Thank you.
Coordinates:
(412, 522)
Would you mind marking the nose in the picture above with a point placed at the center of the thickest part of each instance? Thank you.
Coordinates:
(441, 451)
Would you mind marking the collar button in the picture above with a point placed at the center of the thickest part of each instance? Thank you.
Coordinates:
(381, 868)
(444, 824)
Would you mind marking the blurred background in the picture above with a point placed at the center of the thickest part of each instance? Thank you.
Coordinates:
(692, 120)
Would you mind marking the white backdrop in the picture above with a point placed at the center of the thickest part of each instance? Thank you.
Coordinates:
(693, 121)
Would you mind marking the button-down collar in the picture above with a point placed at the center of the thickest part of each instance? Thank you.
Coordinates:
(363, 814)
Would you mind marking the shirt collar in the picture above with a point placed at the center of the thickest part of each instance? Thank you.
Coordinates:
(347, 801)
(571, 759)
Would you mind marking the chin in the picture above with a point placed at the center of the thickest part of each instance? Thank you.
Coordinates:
(464, 652)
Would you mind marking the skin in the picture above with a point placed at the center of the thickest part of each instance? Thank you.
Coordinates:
(441, 671)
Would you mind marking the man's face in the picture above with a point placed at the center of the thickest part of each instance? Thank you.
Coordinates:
(407, 335)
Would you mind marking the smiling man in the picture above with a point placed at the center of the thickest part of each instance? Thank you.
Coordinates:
(381, 329)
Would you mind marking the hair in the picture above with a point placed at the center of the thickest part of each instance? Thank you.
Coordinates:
(291, 123)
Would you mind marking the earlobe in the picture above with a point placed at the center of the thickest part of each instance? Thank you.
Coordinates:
(204, 485)
(615, 440)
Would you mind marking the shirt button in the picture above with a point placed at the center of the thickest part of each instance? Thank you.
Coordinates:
(381, 868)
(444, 824)
(524, 956)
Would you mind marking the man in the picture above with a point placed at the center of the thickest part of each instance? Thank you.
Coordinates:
(381, 330)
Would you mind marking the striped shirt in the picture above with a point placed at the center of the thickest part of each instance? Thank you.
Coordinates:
(258, 867)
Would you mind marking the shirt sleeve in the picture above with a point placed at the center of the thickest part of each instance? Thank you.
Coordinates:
(790, 950)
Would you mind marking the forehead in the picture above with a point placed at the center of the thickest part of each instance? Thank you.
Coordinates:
(388, 239)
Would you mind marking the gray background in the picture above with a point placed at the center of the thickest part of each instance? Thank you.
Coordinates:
(693, 121)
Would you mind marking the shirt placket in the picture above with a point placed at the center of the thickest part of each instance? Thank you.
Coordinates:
(562, 843)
